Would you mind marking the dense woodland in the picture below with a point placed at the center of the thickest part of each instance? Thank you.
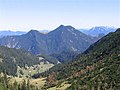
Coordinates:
(97, 68)
(11, 58)
(64, 56)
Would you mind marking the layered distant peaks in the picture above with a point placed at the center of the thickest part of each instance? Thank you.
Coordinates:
(102, 28)
(96, 31)
(10, 33)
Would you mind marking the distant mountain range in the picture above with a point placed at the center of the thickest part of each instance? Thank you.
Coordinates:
(95, 31)
(63, 38)
(99, 30)
(10, 33)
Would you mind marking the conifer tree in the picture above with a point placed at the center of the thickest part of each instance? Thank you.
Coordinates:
(28, 84)
(24, 85)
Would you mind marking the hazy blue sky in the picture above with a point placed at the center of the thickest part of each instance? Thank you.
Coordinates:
(49, 14)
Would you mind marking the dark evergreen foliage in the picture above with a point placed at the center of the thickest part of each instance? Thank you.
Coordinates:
(65, 57)
(11, 58)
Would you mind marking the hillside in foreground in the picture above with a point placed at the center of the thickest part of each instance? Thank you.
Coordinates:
(97, 68)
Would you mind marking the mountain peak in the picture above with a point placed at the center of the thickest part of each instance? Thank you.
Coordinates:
(62, 27)
(33, 32)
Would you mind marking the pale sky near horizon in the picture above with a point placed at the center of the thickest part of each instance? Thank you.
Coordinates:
(23, 15)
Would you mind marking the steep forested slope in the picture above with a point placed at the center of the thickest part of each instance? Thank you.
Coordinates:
(97, 68)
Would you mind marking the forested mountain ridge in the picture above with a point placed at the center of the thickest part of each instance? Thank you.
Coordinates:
(11, 58)
(63, 38)
(22, 63)
(97, 68)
